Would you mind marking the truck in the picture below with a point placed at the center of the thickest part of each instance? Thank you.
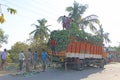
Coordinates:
(78, 50)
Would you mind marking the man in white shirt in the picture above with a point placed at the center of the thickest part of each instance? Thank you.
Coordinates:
(21, 59)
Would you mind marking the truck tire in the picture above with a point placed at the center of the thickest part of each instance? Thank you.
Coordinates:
(102, 63)
(80, 65)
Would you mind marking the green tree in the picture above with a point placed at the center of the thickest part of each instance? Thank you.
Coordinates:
(8, 58)
(3, 37)
(103, 35)
(16, 48)
(37, 45)
(40, 35)
(41, 30)
(76, 12)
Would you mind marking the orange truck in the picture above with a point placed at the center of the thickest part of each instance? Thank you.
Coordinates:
(78, 55)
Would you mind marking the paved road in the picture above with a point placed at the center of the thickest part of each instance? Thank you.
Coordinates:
(110, 72)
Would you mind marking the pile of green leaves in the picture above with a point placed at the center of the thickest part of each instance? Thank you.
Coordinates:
(61, 38)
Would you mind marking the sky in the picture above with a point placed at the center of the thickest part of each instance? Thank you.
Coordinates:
(19, 26)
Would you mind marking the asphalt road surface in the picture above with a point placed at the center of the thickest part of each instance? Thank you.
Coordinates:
(110, 72)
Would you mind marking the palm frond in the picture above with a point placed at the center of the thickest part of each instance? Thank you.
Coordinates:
(93, 28)
(35, 25)
(92, 16)
(69, 9)
(32, 32)
(59, 20)
(82, 9)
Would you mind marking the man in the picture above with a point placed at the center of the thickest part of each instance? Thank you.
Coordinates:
(21, 59)
(64, 21)
(3, 58)
(35, 59)
(69, 20)
(53, 43)
(44, 56)
(28, 60)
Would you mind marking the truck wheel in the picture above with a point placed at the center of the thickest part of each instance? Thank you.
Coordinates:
(102, 63)
(80, 65)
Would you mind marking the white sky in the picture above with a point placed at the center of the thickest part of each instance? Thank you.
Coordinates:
(19, 26)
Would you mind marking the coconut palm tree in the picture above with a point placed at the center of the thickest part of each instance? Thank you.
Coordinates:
(41, 30)
(76, 12)
(40, 34)
(101, 34)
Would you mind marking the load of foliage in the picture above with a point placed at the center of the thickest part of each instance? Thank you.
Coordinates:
(61, 38)
(64, 37)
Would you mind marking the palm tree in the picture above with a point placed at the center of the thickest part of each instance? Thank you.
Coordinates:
(101, 34)
(41, 30)
(40, 34)
(76, 12)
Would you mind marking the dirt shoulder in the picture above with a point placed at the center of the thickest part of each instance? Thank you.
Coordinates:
(2, 73)
(111, 72)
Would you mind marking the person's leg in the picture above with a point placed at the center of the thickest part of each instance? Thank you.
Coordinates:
(21, 64)
(63, 26)
(43, 66)
(53, 50)
(28, 66)
(35, 64)
(3, 64)
(68, 26)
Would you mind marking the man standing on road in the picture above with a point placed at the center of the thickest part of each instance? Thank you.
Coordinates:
(44, 57)
(28, 60)
(21, 59)
(3, 58)
(35, 59)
